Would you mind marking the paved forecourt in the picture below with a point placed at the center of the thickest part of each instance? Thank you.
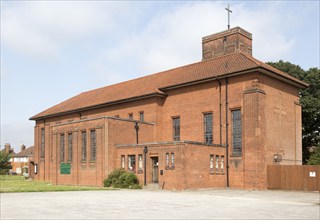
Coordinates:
(142, 204)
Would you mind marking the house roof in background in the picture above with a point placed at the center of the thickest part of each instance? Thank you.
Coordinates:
(26, 152)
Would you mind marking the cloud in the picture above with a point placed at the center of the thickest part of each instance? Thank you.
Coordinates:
(168, 39)
(44, 28)
(173, 38)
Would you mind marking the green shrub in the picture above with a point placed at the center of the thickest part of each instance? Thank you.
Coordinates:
(119, 178)
(131, 179)
(113, 177)
(126, 180)
(107, 182)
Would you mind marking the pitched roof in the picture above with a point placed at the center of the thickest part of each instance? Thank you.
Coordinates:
(153, 84)
(25, 153)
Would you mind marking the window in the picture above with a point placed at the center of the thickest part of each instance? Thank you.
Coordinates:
(236, 133)
(141, 116)
(83, 145)
(70, 137)
(222, 164)
(176, 128)
(217, 164)
(140, 162)
(42, 142)
(62, 153)
(172, 160)
(122, 161)
(167, 160)
(207, 120)
(211, 163)
(130, 116)
(132, 163)
(93, 145)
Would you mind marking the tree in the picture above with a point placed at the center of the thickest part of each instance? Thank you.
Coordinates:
(5, 160)
(310, 101)
(315, 157)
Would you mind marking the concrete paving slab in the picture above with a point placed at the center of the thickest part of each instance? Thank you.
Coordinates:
(141, 204)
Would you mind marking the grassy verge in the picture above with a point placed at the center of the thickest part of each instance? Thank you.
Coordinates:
(19, 184)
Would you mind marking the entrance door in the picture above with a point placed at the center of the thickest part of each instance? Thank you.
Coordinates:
(155, 169)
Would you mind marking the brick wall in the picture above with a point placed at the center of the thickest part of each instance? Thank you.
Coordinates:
(271, 119)
(191, 168)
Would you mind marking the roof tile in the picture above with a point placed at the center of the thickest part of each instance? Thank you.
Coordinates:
(151, 84)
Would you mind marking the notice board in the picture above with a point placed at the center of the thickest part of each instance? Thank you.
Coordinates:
(65, 168)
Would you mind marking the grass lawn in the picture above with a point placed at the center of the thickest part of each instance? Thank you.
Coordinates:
(19, 184)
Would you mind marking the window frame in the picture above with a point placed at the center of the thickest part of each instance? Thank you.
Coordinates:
(141, 116)
(208, 136)
(132, 165)
(176, 128)
(43, 136)
(217, 164)
(211, 163)
(236, 132)
(167, 160)
(62, 148)
(172, 161)
(70, 147)
(140, 162)
(123, 161)
(84, 145)
(93, 145)
(222, 164)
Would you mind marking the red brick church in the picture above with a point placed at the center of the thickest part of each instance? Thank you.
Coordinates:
(215, 123)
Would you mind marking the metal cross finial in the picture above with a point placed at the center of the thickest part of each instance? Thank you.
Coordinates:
(229, 11)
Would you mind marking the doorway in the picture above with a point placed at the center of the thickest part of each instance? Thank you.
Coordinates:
(155, 169)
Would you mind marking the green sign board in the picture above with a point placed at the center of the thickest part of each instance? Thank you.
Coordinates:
(65, 168)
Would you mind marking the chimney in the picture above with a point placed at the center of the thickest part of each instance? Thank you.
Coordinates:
(230, 41)
(7, 147)
(23, 147)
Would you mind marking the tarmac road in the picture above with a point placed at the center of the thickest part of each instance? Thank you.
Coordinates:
(142, 204)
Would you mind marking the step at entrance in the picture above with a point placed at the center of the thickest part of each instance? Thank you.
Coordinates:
(152, 187)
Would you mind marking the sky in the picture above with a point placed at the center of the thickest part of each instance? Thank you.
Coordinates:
(54, 50)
